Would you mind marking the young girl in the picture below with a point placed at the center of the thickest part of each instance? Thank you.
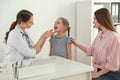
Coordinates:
(60, 44)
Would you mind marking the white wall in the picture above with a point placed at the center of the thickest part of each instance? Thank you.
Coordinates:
(45, 13)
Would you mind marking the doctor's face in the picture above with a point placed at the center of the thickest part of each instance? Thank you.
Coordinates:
(29, 23)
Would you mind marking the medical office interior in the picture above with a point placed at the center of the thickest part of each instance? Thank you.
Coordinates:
(80, 16)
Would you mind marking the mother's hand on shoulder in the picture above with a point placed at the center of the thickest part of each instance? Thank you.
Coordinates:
(73, 41)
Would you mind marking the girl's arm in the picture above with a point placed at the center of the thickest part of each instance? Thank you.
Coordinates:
(50, 53)
(69, 52)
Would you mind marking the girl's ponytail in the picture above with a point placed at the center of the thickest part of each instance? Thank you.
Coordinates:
(68, 31)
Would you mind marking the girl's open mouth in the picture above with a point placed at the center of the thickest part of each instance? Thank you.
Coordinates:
(55, 27)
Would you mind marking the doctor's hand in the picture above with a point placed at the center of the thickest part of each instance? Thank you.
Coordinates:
(48, 33)
(42, 40)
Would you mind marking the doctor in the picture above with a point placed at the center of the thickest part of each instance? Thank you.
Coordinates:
(19, 45)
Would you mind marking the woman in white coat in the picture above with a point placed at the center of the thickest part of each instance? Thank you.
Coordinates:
(19, 45)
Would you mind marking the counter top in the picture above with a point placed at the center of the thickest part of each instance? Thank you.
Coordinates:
(64, 67)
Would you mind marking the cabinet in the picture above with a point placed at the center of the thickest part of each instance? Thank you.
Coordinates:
(112, 6)
(84, 28)
(85, 33)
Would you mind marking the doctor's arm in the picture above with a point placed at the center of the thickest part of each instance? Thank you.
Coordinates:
(42, 40)
(19, 44)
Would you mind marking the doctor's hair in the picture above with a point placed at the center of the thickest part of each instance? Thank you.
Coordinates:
(65, 23)
(22, 16)
(104, 17)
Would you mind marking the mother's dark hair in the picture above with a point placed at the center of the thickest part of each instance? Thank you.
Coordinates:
(104, 17)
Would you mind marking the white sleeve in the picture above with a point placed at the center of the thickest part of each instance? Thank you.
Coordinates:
(17, 41)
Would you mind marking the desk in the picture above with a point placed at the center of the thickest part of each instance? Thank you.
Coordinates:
(65, 70)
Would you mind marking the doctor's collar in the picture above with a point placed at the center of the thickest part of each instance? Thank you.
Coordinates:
(19, 28)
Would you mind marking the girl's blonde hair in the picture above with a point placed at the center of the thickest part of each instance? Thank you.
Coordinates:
(65, 23)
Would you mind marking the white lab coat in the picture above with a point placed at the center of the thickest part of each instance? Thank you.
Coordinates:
(17, 48)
